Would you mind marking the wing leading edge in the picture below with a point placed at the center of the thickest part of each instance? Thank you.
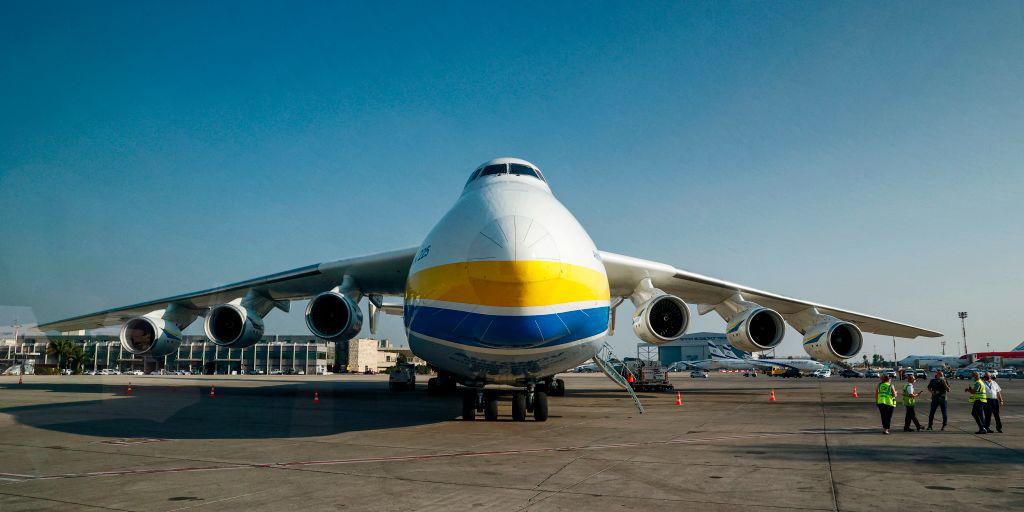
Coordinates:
(383, 273)
(624, 272)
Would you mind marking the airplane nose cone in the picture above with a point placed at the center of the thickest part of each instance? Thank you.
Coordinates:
(510, 239)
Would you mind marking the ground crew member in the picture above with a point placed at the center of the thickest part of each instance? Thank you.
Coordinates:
(938, 388)
(885, 398)
(994, 395)
(978, 400)
(909, 401)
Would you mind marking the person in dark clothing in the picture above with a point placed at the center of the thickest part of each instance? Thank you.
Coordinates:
(938, 388)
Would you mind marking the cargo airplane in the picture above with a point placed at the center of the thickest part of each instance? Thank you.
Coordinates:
(507, 289)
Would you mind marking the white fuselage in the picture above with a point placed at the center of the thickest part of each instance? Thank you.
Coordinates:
(508, 287)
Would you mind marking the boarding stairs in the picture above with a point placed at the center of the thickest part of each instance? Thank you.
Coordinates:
(606, 360)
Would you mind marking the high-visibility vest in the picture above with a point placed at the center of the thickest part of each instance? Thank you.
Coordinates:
(978, 396)
(908, 400)
(885, 394)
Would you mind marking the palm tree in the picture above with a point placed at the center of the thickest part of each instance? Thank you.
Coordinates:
(77, 358)
(59, 349)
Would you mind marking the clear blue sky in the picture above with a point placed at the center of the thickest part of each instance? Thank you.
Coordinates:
(867, 155)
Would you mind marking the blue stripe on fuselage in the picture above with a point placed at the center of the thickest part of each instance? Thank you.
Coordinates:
(506, 331)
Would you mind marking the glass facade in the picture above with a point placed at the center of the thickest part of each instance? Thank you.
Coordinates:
(287, 354)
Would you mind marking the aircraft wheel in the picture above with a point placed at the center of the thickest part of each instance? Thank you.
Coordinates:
(469, 404)
(557, 388)
(490, 406)
(433, 388)
(519, 406)
(540, 406)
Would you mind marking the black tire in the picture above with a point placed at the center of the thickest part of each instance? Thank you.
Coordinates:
(490, 406)
(557, 388)
(469, 405)
(519, 406)
(540, 406)
(433, 387)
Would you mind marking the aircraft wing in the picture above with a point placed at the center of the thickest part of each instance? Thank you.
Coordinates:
(625, 272)
(383, 273)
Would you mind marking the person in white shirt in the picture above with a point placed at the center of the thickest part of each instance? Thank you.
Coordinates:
(994, 394)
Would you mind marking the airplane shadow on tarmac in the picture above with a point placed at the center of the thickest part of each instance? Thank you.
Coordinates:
(188, 412)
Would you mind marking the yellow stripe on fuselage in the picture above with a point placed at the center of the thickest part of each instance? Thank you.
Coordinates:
(520, 283)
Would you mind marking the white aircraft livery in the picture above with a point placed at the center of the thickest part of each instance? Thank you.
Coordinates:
(507, 289)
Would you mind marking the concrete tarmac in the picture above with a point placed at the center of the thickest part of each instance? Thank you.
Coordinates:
(83, 443)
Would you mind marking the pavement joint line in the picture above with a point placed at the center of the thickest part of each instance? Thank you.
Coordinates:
(65, 502)
(399, 458)
(219, 500)
(828, 451)
(574, 493)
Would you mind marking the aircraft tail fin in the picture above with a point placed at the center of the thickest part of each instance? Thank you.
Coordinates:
(1019, 347)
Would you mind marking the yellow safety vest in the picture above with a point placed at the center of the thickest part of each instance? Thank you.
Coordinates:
(978, 396)
(908, 400)
(885, 394)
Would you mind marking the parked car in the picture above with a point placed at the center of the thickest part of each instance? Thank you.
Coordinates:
(822, 373)
(792, 372)
(699, 374)
(872, 374)
(851, 374)
(403, 377)
(921, 374)
(965, 373)
(750, 373)
(1008, 373)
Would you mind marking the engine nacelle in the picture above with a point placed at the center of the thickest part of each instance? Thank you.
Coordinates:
(233, 326)
(833, 340)
(755, 329)
(663, 318)
(150, 336)
(333, 316)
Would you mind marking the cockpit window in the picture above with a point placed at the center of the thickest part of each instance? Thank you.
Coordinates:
(493, 169)
(496, 169)
(523, 170)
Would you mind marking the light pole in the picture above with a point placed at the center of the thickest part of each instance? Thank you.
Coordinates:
(963, 328)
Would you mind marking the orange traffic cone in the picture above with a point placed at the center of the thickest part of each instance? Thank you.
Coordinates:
(316, 397)
(772, 398)
(629, 378)
(211, 391)
(679, 398)
(129, 388)
(855, 395)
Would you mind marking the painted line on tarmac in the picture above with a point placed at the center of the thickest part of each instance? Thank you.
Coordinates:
(400, 458)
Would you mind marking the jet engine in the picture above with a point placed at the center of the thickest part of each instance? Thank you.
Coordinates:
(234, 326)
(334, 316)
(149, 336)
(755, 329)
(832, 339)
(661, 319)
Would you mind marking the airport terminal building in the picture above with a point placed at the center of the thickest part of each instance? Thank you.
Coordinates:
(288, 354)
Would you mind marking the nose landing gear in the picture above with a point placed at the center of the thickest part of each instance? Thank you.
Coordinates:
(531, 400)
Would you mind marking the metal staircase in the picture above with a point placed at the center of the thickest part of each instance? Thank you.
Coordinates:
(606, 360)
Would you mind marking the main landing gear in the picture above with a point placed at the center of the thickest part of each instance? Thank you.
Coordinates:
(531, 400)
